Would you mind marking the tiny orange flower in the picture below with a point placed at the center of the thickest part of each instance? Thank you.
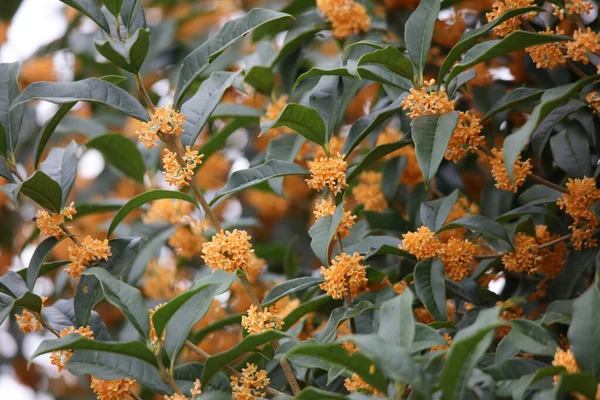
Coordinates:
(228, 251)
(422, 243)
(457, 256)
(345, 276)
(566, 359)
(328, 171)
(261, 321)
(347, 17)
(520, 171)
(356, 384)
(49, 223)
(112, 390)
(594, 99)
(579, 6)
(583, 42)
(165, 121)
(466, 137)
(156, 342)
(28, 322)
(89, 251)
(176, 174)
(368, 191)
(251, 385)
(581, 193)
(548, 55)
(424, 102)
(326, 207)
(60, 358)
(500, 7)
(525, 256)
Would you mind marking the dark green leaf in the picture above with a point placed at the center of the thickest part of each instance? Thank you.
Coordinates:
(582, 382)
(375, 155)
(304, 120)
(338, 317)
(40, 188)
(114, 6)
(540, 137)
(430, 286)
(61, 167)
(303, 309)
(130, 54)
(479, 224)
(10, 118)
(260, 78)
(418, 33)
(38, 257)
(133, 15)
(229, 110)
(391, 58)
(397, 321)
(47, 130)
(198, 336)
(325, 98)
(218, 140)
(322, 233)
(289, 287)
(531, 338)
(90, 9)
(150, 250)
(435, 212)
(571, 151)
(515, 97)
(312, 393)
(120, 152)
(576, 264)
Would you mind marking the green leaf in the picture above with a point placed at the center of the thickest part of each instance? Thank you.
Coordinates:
(578, 262)
(40, 188)
(336, 355)
(429, 278)
(397, 321)
(520, 95)
(532, 338)
(471, 36)
(150, 250)
(540, 137)
(375, 155)
(479, 224)
(260, 78)
(250, 343)
(304, 308)
(114, 6)
(144, 198)
(90, 9)
(128, 299)
(431, 134)
(313, 393)
(304, 120)
(199, 60)
(582, 382)
(435, 212)
(200, 335)
(246, 178)
(520, 389)
(93, 90)
(493, 48)
(133, 15)
(288, 288)
(468, 346)
(391, 58)
(230, 110)
(571, 151)
(418, 33)
(44, 268)
(185, 375)
(120, 152)
(61, 167)
(426, 337)
(513, 369)
(47, 130)
(326, 99)
(322, 233)
(199, 107)
(10, 118)
(315, 71)
(338, 317)
(61, 315)
(365, 125)
(39, 256)
(219, 139)
(559, 311)
(128, 55)
(584, 332)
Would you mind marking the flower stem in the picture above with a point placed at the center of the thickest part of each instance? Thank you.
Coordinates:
(144, 93)
(167, 377)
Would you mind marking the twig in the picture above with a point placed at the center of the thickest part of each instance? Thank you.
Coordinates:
(167, 377)
(540, 180)
(135, 396)
(142, 89)
(540, 247)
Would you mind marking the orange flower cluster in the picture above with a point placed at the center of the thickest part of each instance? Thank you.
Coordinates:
(448, 340)
(399, 287)
(579, 6)
(576, 202)
(548, 55)
(83, 255)
(345, 276)
(160, 280)
(549, 261)
(49, 223)
(28, 322)
(112, 390)
(153, 335)
(165, 121)
(594, 99)
(510, 311)
(466, 137)
(566, 359)
(424, 102)
(347, 17)
(422, 243)
(167, 210)
(188, 240)
(583, 42)
(328, 171)
(356, 384)
(412, 174)
(60, 358)
(525, 256)
(261, 321)
(174, 173)
(512, 24)
(326, 207)
(251, 385)
(368, 191)
(389, 135)
(457, 256)
(228, 251)
(520, 171)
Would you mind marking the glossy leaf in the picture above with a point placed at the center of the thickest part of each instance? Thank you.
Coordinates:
(338, 317)
(375, 155)
(521, 95)
(418, 33)
(479, 224)
(37, 259)
(90, 9)
(571, 151)
(397, 321)
(40, 188)
(391, 58)
(429, 278)
(47, 130)
(531, 338)
(120, 152)
(323, 232)
(288, 288)
(304, 120)
(61, 167)
(435, 212)
(130, 54)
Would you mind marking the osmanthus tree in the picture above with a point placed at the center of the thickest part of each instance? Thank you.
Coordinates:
(421, 190)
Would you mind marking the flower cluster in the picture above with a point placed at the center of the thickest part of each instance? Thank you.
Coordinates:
(581, 193)
(165, 121)
(466, 137)
(60, 358)
(583, 42)
(167, 210)
(49, 223)
(424, 101)
(512, 24)
(260, 321)
(347, 17)
(579, 6)
(328, 171)
(345, 276)
(111, 390)
(28, 322)
(551, 55)
(228, 251)
(368, 191)
(251, 385)
(548, 55)
(422, 243)
(594, 101)
(188, 240)
(566, 359)
(327, 207)
(389, 135)
(176, 174)
(520, 171)
(156, 342)
(550, 261)
(356, 384)
(83, 254)
(525, 256)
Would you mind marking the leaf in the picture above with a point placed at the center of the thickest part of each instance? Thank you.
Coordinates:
(128, 55)
(397, 321)
(128, 299)
(229, 110)
(199, 107)
(375, 155)
(120, 152)
(219, 139)
(315, 71)
(521, 95)
(133, 15)
(479, 224)
(92, 90)
(199, 60)
(304, 120)
(288, 288)
(200, 335)
(426, 337)
(313, 393)
(260, 78)
(216, 362)
(90, 9)
(325, 98)
(365, 125)
(61, 167)
(186, 374)
(10, 118)
(429, 278)
(338, 317)
(577, 261)
(151, 249)
(524, 383)
(39, 256)
(418, 33)
(114, 6)
(245, 178)
(540, 137)
(431, 134)
(336, 355)
(304, 308)
(531, 338)
(514, 41)
(468, 346)
(12, 284)
(584, 332)
(144, 198)
(322, 233)
(40, 188)
(391, 58)
(45, 268)
(550, 100)
(524, 210)
(3, 144)
(47, 130)
(571, 151)
(434, 213)
(582, 382)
